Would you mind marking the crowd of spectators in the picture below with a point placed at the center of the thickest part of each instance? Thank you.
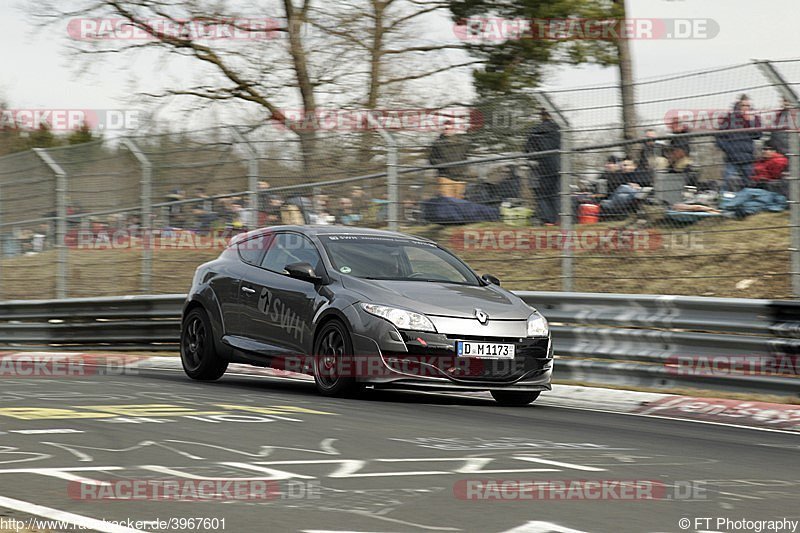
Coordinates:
(667, 172)
(752, 160)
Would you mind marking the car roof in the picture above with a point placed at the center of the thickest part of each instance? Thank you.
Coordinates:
(314, 230)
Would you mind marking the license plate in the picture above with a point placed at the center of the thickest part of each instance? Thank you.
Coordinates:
(484, 349)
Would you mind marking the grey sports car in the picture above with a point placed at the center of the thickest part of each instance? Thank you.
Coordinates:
(358, 307)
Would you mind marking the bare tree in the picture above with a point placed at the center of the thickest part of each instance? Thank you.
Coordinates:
(390, 39)
(308, 54)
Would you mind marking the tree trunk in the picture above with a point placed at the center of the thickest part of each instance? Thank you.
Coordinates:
(294, 22)
(374, 87)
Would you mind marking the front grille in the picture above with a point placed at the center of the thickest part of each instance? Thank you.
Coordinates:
(481, 338)
(531, 356)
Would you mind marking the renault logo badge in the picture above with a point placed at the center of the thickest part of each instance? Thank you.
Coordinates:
(482, 317)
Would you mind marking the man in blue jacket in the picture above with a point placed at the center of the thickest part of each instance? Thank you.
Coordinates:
(739, 146)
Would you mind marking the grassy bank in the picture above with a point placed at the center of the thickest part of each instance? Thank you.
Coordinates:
(728, 258)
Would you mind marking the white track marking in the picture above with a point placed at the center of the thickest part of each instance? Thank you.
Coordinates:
(542, 527)
(558, 463)
(43, 431)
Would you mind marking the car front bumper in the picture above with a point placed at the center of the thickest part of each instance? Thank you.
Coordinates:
(421, 360)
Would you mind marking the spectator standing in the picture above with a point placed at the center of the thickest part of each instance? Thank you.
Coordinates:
(449, 147)
(739, 146)
(546, 183)
(173, 212)
(202, 211)
(784, 121)
(649, 155)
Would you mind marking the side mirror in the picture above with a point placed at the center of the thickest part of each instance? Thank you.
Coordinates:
(488, 278)
(302, 271)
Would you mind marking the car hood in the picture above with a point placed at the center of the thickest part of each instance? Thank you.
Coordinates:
(441, 299)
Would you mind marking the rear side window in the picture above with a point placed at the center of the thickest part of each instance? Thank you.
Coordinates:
(252, 250)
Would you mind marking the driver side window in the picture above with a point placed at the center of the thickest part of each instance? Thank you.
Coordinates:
(287, 248)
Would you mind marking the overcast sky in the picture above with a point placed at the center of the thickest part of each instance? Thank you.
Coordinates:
(38, 73)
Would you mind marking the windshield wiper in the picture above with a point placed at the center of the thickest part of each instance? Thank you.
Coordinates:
(441, 281)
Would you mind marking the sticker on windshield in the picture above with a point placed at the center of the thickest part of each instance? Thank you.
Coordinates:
(345, 270)
(377, 238)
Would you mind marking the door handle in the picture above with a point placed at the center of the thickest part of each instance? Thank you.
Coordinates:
(248, 290)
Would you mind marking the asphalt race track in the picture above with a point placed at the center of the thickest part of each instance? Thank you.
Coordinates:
(390, 461)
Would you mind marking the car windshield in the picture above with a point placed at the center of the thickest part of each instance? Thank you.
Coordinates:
(395, 258)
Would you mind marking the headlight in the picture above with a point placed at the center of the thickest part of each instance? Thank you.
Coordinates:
(400, 317)
(537, 326)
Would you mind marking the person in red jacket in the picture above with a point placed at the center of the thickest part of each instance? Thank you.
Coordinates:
(769, 169)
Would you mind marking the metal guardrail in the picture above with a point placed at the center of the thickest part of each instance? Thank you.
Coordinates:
(732, 344)
(626, 340)
(118, 323)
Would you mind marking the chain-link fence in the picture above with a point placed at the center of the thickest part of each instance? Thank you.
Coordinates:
(703, 202)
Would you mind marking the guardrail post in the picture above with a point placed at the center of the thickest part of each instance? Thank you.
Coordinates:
(146, 213)
(61, 221)
(786, 91)
(252, 175)
(565, 175)
(393, 190)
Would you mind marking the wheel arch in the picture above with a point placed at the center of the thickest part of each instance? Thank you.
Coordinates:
(198, 301)
(328, 315)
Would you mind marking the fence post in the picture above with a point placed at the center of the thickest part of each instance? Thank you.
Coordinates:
(3, 239)
(393, 190)
(780, 84)
(145, 191)
(61, 220)
(252, 174)
(565, 178)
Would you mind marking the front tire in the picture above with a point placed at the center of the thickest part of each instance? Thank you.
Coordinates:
(332, 352)
(511, 398)
(199, 358)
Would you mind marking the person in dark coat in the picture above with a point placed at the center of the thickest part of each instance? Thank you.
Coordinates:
(780, 137)
(648, 157)
(679, 144)
(546, 183)
(739, 146)
(612, 174)
(449, 147)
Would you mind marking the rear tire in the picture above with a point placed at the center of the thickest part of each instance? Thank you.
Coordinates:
(510, 398)
(332, 352)
(199, 358)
